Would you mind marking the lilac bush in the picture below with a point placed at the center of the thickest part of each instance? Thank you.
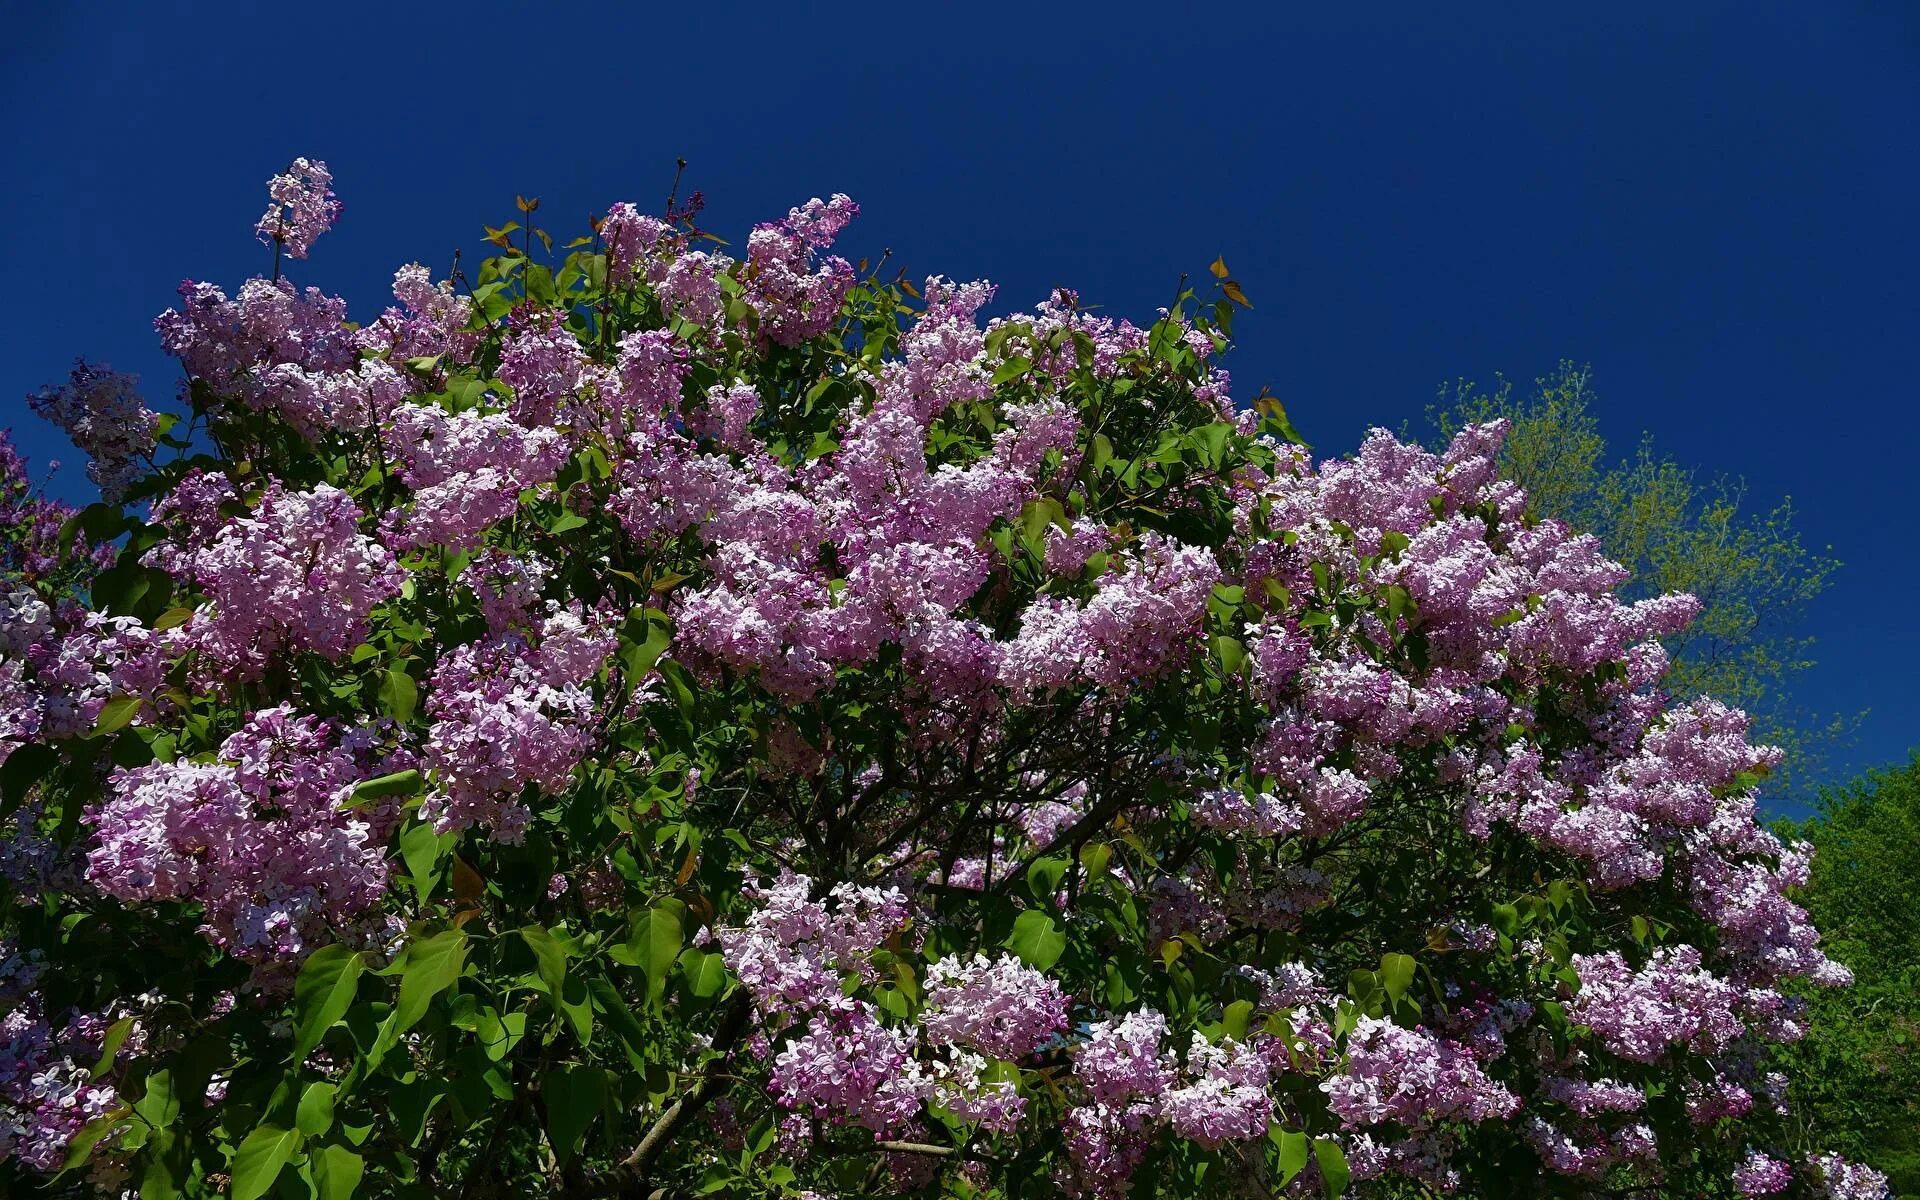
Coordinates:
(646, 722)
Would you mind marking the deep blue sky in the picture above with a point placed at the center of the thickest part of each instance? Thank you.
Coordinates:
(1711, 203)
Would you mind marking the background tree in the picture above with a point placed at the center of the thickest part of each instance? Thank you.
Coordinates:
(1753, 576)
(1857, 1073)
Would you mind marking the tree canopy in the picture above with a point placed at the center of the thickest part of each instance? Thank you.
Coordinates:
(635, 721)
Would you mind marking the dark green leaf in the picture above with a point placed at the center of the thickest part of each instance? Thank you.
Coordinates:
(336, 1172)
(399, 695)
(1333, 1165)
(399, 783)
(1294, 1150)
(158, 1106)
(705, 973)
(1396, 974)
(658, 935)
(431, 967)
(322, 994)
(572, 1096)
(1036, 940)
(116, 1036)
(257, 1163)
(315, 1115)
(116, 714)
(550, 955)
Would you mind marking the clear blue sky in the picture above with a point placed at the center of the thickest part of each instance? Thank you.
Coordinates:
(1711, 203)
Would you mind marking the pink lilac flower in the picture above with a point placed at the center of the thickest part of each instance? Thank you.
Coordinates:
(848, 1067)
(1001, 1008)
(1671, 1001)
(1224, 1093)
(258, 838)
(296, 574)
(1135, 625)
(430, 322)
(960, 1087)
(544, 365)
(509, 715)
(1413, 1077)
(1834, 1178)
(1123, 1058)
(47, 1093)
(631, 237)
(301, 207)
(794, 302)
(467, 471)
(98, 408)
(1759, 1175)
(793, 950)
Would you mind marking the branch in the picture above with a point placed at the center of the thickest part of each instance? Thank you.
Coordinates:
(630, 1177)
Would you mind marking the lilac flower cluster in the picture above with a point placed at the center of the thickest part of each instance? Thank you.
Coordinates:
(302, 207)
(1834, 1178)
(46, 1094)
(1671, 1001)
(1133, 1084)
(98, 408)
(467, 471)
(1001, 1008)
(796, 302)
(1761, 1175)
(509, 715)
(1413, 1077)
(295, 573)
(258, 838)
(32, 548)
(847, 1066)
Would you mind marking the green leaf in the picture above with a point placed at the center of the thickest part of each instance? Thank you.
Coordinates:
(1234, 1020)
(1044, 876)
(576, 1005)
(336, 1172)
(315, 1115)
(551, 957)
(257, 1163)
(116, 1036)
(322, 994)
(1333, 1165)
(431, 967)
(80, 1147)
(116, 714)
(1010, 370)
(399, 694)
(1231, 652)
(638, 655)
(422, 848)
(166, 1169)
(572, 1096)
(1038, 515)
(1396, 974)
(705, 973)
(1294, 1149)
(158, 1106)
(399, 783)
(658, 935)
(1036, 940)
